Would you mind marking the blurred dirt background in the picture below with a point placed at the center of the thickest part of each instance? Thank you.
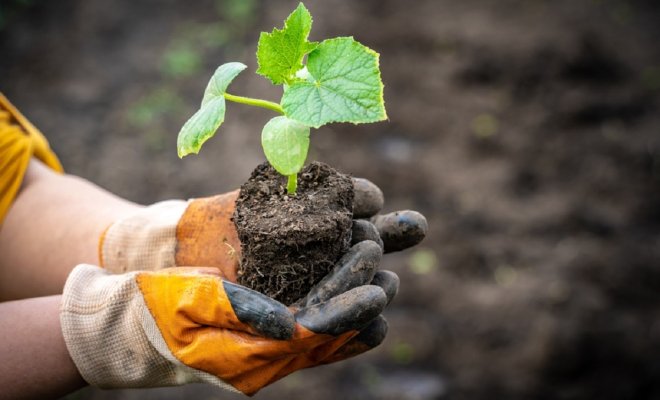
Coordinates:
(526, 131)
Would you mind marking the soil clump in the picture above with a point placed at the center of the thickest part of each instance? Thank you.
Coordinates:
(289, 243)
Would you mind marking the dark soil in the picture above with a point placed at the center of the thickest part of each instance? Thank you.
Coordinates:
(289, 243)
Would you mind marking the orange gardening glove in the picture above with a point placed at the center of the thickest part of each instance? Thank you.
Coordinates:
(183, 325)
(200, 232)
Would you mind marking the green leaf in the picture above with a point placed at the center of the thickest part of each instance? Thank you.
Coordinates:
(206, 121)
(285, 144)
(201, 127)
(222, 77)
(280, 53)
(345, 86)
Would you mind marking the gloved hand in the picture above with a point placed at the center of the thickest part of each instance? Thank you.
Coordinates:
(200, 232)
(182, 325)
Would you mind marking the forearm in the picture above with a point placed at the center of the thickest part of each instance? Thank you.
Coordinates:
(54, 224)
(35, 361)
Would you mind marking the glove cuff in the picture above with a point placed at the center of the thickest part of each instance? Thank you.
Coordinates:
(112, 337)
(101, 323)
(145, 240)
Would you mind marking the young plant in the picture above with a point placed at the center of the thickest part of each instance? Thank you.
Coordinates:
(340, 82)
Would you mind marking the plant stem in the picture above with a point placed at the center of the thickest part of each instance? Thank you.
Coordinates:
(255, 102)
(292, 184)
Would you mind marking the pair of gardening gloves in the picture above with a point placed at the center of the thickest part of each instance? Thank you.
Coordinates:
(165, 308)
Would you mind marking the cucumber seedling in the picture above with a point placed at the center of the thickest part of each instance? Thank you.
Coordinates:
(336, 80)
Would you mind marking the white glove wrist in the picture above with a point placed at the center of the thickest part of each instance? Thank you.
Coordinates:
(145, 240)
(110, 334)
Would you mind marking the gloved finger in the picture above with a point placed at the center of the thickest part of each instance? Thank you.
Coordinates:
(388, 281)
(351, 310)
(374, 333)
(356, 268)
(266, 316)
(368, 338)
(401, 230)
(364, 230)
(368, 199)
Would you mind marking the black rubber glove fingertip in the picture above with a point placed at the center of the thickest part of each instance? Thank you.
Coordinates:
(364, 230)
(401, 230)
(388, 281)
(374, 333)
(266, 316)
(352, 310)
(369, 199)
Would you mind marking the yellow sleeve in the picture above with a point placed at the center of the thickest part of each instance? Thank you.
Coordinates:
(19, 141)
